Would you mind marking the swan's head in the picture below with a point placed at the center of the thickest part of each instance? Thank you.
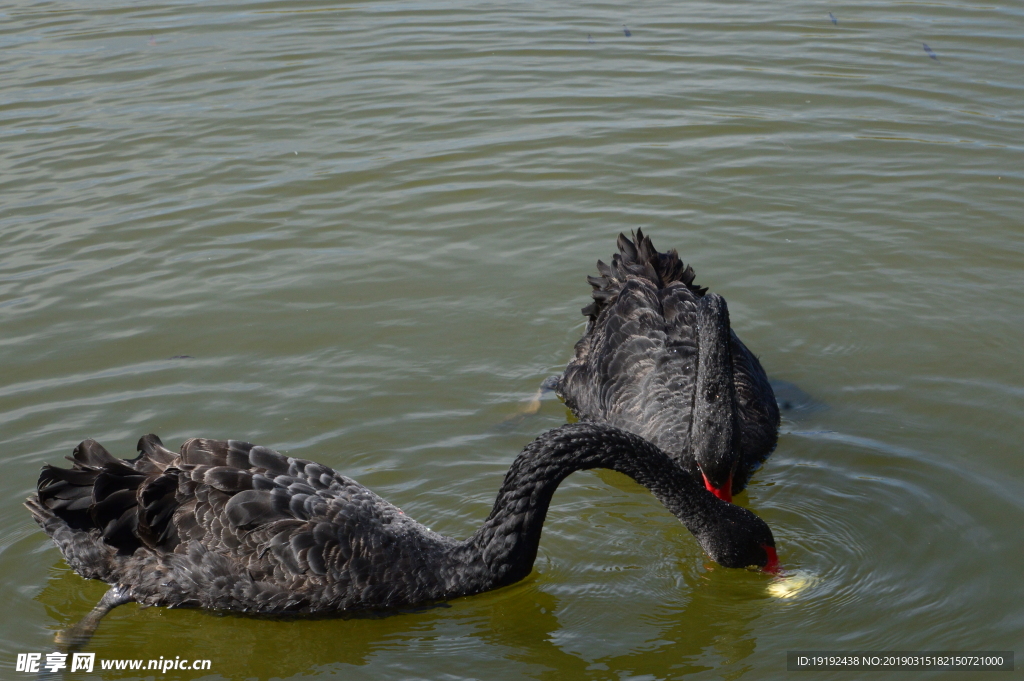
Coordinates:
(714, 427)
(736, 538)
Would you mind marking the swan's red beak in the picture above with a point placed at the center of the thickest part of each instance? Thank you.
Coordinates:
(772, 565)
(724, 492)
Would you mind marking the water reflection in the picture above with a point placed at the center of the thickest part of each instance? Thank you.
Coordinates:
(713, 627)
(793, 400)
(525, 624)
(239, 646)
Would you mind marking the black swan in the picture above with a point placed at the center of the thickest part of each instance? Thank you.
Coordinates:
(231, 526)
(659, 359)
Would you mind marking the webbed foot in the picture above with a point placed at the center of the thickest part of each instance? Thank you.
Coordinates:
(77, 635)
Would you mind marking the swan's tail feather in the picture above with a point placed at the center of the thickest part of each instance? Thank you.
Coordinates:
(234, 453)
(637, 257)
(98, 495)
(66, 494)
(90, 453)
(152, 450)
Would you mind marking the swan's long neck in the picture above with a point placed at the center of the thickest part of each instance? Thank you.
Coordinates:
(713, 430)
(506, 546)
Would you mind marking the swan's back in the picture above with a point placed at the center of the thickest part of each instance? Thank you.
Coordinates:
(636, 365)
(229, 525)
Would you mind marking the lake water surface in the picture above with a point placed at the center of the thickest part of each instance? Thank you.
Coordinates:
(368, 226)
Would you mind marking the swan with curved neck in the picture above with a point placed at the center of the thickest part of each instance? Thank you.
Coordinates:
(659, 359)
(231, 526)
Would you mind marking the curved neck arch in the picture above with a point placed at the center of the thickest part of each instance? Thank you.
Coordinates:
(505, 547)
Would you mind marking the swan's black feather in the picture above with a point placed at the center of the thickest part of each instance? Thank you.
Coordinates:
(92, 453)
(153, 449)
(636, 366)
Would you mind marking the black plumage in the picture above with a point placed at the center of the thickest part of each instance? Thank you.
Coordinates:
(659, 359)
(231, 526)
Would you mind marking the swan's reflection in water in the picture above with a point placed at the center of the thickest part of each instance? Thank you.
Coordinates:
(527, 628)
(259, 647)
(709, 624)
(519, 620)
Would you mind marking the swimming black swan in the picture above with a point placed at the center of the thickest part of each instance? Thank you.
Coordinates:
(659, 359)
(231, 526)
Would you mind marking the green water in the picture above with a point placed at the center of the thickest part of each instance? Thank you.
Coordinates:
(368, 226)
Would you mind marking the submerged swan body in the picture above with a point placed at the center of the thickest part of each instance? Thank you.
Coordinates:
(231, 526)
(659, 359)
